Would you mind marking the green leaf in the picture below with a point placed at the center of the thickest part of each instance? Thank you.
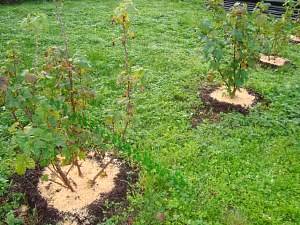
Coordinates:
(82, 155)
(23, 162)
(11, 219)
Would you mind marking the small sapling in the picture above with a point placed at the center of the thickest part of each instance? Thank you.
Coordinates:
(272, 33)
(130, 75)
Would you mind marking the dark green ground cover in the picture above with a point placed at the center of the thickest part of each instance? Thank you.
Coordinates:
(241, 170)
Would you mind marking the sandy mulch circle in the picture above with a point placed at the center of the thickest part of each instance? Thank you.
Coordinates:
(87, 206)
(274, 61)
(295, 39)
(67, 201)
(215, 101)
(242, 97)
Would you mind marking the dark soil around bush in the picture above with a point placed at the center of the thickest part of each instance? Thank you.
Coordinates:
(212, 108)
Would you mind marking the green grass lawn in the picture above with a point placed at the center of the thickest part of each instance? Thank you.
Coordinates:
(240, 170)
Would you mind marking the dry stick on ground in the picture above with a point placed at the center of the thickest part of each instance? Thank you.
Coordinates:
(93, 181)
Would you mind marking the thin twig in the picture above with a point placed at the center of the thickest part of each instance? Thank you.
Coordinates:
(71, 167)
(55, 173)
(14, 115)
(127, 72)
(60, 184)
(93, 181)
(75, 184)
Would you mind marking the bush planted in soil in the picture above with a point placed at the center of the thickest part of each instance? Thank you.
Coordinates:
(294, 5)
(228, 46)
(48, 105)
(272, 34)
